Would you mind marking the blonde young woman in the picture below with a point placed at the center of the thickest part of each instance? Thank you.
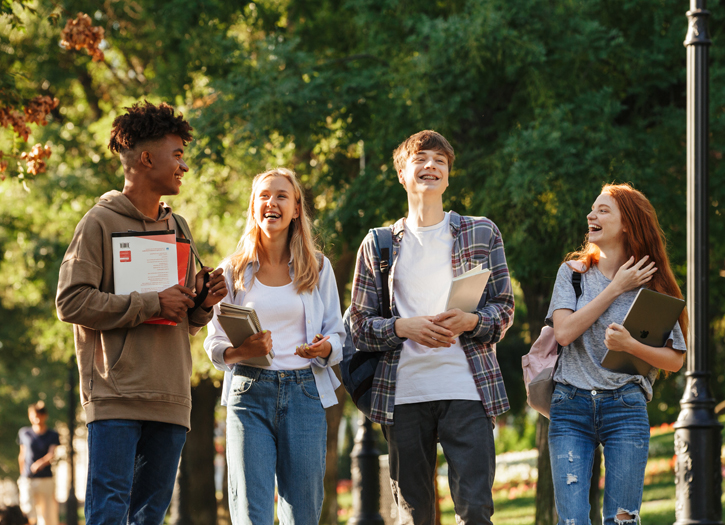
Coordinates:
(276, 414)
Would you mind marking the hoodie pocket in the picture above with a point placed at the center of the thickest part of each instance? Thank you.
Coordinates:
(155, 360)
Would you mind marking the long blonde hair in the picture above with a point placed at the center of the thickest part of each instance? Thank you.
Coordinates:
(306, 258)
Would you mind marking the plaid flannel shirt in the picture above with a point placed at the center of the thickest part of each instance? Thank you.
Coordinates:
(477, 240)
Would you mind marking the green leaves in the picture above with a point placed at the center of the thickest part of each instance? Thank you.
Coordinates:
(544, 101)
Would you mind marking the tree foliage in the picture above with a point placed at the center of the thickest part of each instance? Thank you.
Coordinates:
(543, 100)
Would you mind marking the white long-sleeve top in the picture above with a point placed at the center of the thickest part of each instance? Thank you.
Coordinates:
(322, 316)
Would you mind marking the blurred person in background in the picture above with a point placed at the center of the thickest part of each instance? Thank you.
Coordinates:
(37, 450)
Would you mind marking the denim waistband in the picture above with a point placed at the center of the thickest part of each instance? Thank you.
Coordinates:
(572, 391)
(262, 374)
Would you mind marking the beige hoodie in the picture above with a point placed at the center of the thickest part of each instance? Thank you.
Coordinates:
(128, 370)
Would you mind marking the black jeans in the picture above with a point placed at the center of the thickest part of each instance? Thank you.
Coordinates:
(466, 436)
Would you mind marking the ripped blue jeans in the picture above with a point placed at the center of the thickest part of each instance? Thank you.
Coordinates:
(580, 421)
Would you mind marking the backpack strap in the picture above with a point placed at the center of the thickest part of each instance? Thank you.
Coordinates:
(186, 233)
(576, 282)
(383, 241)
(184, 227)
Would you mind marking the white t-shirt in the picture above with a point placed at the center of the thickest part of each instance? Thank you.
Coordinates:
(422, 278)
(280, 310)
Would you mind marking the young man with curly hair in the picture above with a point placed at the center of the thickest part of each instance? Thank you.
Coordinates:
(134, 375)
(438, 380)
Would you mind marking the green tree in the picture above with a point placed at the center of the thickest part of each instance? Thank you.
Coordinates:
(543, 100)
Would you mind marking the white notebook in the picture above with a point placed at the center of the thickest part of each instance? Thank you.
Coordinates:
(239, 322)
(467, 289)
(144, 261)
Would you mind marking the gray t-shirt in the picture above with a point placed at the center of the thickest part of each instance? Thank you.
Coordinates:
(580, 362)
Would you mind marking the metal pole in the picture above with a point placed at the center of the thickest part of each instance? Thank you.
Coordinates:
(365, 477)
(71, 504)
(698, 476)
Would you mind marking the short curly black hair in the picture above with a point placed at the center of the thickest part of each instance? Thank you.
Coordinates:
(146, 122)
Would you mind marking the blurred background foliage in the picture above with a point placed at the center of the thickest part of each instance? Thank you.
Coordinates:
(543, 100)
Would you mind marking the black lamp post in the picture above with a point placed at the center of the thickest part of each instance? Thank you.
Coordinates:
(365, 477)
(698, 477)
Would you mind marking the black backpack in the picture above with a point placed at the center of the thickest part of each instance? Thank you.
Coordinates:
(358, 368)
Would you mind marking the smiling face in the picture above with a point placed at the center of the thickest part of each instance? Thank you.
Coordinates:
(605, 222)
(165, 166)
(275, 204)
(426, 171)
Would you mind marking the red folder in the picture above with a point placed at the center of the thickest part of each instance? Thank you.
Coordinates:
(183, 247)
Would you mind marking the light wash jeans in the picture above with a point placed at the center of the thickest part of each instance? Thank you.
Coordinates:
(131, 471)
(580, 420)
(275, 425)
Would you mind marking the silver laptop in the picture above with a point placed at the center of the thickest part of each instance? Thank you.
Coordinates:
(649, 320)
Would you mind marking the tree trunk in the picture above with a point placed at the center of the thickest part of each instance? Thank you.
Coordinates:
(194, 500)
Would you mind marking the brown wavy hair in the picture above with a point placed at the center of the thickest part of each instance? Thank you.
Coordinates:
(427, 139)
(642, 236)
(146, 122)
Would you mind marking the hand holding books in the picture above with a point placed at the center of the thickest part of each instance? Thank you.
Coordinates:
(463, 298)
(457, 321)
(252, 345)
(255, 350)
(439, 331)
(175, 302)
(634, 347)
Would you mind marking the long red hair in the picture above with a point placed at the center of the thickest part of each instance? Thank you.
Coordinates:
(642, 236)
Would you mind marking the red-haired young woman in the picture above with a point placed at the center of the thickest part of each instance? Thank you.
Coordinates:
(625, 251)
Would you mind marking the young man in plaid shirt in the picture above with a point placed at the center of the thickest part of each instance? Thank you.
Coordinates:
(433, 384)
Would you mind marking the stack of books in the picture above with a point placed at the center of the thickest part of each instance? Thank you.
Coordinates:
(240, 322)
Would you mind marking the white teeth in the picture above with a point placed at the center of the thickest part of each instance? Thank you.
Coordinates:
(271, 216)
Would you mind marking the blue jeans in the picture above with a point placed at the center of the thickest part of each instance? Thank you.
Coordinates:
(131, 471)
(275, 425)
(580, 421)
